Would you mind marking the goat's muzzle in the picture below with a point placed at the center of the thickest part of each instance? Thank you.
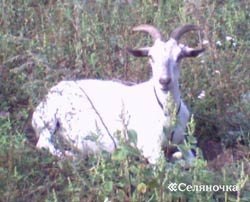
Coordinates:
(165, 82)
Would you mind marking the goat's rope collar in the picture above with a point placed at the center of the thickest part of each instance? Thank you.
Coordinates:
(161, 105)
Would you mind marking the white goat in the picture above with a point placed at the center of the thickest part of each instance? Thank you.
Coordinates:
(76, 110)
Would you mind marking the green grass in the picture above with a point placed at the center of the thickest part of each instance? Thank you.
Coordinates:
(43, 42)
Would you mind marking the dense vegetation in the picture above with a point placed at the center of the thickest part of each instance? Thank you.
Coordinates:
(43, 42)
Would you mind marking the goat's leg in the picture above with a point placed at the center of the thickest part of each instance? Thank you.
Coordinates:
(179, 135)
(44, 123)
(45, 142)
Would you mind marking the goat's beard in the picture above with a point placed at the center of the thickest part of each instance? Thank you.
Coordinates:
(166, 88)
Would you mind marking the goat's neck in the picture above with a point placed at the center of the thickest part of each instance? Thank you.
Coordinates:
(169, 100)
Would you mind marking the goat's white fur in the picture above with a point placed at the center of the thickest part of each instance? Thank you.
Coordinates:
(75, 110)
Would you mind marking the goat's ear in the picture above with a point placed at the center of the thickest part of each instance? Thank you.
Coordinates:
(141, 52)
(191, 52)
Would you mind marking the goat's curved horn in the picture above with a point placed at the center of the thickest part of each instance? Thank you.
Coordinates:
(179, 31)
(154, 32)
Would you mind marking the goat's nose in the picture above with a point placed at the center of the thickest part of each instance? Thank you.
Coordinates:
(165, 80)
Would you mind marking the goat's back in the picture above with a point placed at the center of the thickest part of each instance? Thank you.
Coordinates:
(75, 110)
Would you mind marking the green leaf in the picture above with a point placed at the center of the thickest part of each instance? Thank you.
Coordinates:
(120, 154)
(132, 136)
(108, 186)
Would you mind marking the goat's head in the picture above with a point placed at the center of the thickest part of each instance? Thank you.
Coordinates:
(165, 56)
